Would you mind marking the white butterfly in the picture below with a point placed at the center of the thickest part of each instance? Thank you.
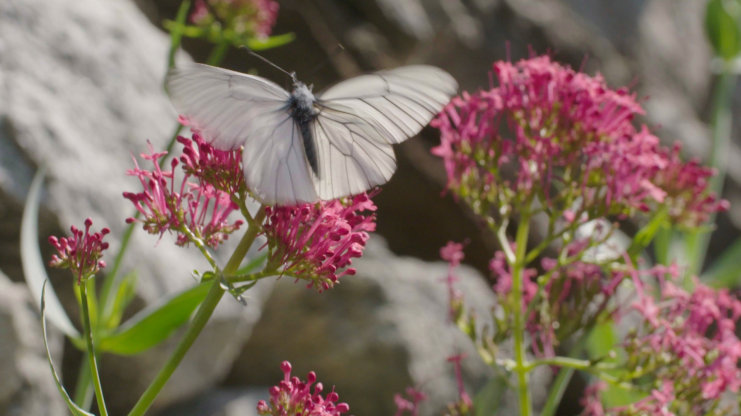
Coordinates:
(302, 148)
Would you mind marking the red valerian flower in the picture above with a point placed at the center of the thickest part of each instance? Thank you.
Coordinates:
(191, 209)
(566, 138)
(293, 397)
(317, 242)
(252, 18)
(411, 403)
(81, 252)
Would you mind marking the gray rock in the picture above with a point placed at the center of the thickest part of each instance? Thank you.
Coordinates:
(81, 87)
(26, 385)
(373, 335)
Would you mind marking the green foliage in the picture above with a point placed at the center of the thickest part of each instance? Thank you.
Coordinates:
(73, 408)
(723, 27)
(33, 265)
(154, 324)
(726, 270)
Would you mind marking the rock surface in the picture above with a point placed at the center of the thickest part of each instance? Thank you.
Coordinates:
(26, 384)
(81, 88)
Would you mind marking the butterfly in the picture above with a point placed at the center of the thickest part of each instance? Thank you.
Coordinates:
(299, 147)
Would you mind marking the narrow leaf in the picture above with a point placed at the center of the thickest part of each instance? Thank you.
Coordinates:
(722, 27)
(124, 295)
(154, 324)
(645, 235)
(726, 270)
(73, 407)
(33, 265)
(261, 44)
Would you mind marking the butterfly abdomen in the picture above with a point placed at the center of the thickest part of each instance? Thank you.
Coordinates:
(303, 113)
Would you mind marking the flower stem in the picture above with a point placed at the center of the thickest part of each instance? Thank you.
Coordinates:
(720, 124)
(197, 324)
(92, 362)
(521, 364)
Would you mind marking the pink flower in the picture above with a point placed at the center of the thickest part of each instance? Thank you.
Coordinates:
(219, 168)
(251, 18)
(293, 397)
(687, 342)
(411, 405)
(464, 403)
(80, 252)
(194, 210)
(317, 242)
(562, 136)
(453, 254)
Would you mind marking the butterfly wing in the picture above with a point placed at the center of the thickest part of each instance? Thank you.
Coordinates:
(231, 109)
(359, 119)
(351, 157)
(222, 104)
(398, 102)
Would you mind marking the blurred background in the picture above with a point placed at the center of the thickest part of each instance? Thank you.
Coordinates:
(81, 91)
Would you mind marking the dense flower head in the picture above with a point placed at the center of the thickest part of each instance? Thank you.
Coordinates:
(566, 138)
(170, 202)
(317, 242)
(251, 18)
(81, 252)
(293, 397)
(688, 339)
(220, 168)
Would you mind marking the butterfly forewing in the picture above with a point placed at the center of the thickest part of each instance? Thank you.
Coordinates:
(400, 101)
(222, 104)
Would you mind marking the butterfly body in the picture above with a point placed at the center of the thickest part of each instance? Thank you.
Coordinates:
(300, 147)
(301, 108)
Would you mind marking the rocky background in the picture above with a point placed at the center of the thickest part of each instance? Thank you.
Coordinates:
(80, 91)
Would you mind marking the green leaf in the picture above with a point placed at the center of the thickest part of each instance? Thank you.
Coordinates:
(261, 44)
(726, 269)
(645, 235)
(602, 340)
(154, 324)
(253, 264)
(722, 27)
(125, 293)
(33, 265)
(73, 407)
(488, 400)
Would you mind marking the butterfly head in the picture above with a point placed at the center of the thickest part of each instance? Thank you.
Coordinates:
(302, 94)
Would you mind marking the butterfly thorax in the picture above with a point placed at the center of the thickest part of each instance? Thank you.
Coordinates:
(301, 108)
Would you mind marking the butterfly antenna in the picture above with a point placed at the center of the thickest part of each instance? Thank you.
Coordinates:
(339, 48)
(269, 62)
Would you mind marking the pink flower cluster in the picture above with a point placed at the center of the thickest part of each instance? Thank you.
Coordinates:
(81, 252)
(563, 137)
(316, 242)
(245, 17)
(689, 339)
(191, 209)
(220, 168)
(293, 397)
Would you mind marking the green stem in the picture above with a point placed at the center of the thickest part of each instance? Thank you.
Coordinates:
(720, 125)
(218, 53)
(92, 362)
(198, 323)
(521, 364)
(83, 387)
(558, 388)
